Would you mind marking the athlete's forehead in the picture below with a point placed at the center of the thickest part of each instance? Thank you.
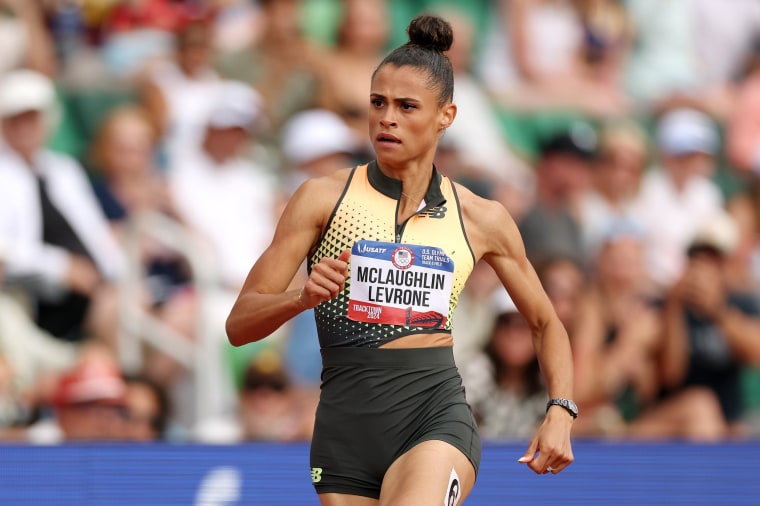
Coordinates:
(406, 82)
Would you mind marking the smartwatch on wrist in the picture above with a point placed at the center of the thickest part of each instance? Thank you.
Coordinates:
(569, 405)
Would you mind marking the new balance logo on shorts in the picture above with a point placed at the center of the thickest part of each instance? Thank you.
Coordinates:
(316, 474)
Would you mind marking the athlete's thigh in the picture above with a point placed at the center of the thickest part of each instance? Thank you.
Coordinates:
(423, 476)
(331, 499)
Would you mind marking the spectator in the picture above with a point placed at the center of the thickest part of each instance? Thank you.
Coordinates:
(135, 34)
(608, 34)
(564, 280)
(25, 40)
(743, 266)
(27, 356)
(60, 247)
(88, 402)
(617, 332)
(361, 40)
(477, 134)
(220, 193)
(282, 64)
(178, 93)
(551, 226)
(228, 202)
(147, 409)
(270, 410)
(540, 64)
(503, 383)
(314, 143)
(711, 330)
(743, 123)
(129, 185)
(617, 175)
(678, 194)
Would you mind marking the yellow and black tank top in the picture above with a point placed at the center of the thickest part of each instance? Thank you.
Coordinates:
(407, 277)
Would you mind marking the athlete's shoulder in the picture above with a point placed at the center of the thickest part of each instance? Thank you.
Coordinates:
(325, 185)
(477, 206)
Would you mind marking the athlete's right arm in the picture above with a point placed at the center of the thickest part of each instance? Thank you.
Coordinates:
(264, 302)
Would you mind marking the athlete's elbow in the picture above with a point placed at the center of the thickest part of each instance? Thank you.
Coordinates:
(236, 334)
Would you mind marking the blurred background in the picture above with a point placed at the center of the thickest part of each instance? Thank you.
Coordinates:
(149, 146)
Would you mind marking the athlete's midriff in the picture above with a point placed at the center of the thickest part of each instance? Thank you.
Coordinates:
(421, 341)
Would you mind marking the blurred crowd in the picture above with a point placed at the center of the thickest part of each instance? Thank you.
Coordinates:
(149, 146)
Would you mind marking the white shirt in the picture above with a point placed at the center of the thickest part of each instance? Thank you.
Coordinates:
(28, 258)
(670, 219)
(232, 207)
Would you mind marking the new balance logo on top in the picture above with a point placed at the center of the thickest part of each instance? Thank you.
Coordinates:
(437, 213)
(316, 474)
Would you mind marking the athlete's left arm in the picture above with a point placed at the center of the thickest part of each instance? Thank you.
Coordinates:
(495, 238)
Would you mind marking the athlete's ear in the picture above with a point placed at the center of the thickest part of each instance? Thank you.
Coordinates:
(447, 118)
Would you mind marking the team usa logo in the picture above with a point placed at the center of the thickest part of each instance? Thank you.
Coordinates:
(402, 257)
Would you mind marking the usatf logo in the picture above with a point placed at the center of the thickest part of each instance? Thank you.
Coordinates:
(437, 213)
(316, 474)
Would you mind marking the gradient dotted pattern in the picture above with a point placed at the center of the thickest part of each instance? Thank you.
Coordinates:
(365, 213)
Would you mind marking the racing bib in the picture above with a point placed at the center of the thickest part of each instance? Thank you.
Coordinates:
(400, 284)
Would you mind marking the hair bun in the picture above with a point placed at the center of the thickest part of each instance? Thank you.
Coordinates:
(431, 32)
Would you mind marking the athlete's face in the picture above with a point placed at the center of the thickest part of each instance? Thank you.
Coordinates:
(405, 120)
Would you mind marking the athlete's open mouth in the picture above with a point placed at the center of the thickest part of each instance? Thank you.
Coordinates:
(388, 138)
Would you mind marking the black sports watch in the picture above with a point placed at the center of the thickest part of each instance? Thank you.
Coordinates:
(569, 405)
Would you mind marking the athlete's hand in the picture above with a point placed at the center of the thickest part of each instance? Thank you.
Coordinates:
(549, 450)
(326, 280)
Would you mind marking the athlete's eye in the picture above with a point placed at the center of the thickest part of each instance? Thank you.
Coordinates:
(407, 106)
(376, 102)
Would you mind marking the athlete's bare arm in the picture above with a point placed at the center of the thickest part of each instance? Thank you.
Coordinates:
(264, 303)
(494, 237)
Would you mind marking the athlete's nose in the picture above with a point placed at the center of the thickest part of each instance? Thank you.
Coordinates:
(388, 120)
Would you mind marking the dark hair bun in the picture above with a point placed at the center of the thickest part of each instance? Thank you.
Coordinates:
(431, 32)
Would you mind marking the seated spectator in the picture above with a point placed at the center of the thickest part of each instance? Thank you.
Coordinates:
(503, 383)
(617, 332)
(743, 123)
(228, 202)
(178, 92)
(87, 402)
(220, 192)
(551, 225)
(147, 409)
(616, 180)
(314, 143)
(269, 407)
(281, 64)
(25, 39)
(61, 251)
(536, 60)
(477, 134)
(347, 69)
(678, 193)
(128, 186)
(711, 331)
(564, 280)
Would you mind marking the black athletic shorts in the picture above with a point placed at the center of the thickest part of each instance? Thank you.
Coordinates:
(376, 404)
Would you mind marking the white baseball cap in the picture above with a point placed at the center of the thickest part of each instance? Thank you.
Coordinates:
(685, 131)
(720, 233)
(315, 133)
(26, 90)
(237, 105)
